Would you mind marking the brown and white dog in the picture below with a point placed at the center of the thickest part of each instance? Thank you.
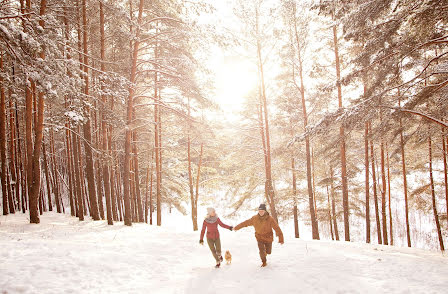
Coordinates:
(228, 257)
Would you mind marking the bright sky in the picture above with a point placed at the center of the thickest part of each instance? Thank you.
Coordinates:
(234, 75)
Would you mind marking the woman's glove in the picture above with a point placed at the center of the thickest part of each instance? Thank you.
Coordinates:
(231, 228)
(201, 242)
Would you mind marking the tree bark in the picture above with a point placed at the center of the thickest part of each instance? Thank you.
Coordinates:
(314, 224)
(405, 184)
(333, 205)
(3, 141)
(55, 175)
(433, 194)
(80, 206)
(12, 158)
(390, 203)
(375, 195)
(345, 202)
(129, 112)
(137, 180)
(366, 159)
(90, 173)
(269, 186)
(294, 194)
(106, 177)
(47, 177)
(190, 175)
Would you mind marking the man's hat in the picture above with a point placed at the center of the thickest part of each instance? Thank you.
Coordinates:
(262, 207)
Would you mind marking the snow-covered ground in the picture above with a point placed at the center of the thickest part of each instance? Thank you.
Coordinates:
(63, 255)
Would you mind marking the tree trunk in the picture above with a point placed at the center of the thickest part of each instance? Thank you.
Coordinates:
(71, 172)
(12, 158)
(445, 168)
(390, 203)
(269, 186)
(137, 181)
(151, 209)
(405, 184)
(333, 205)
(3, 141)
(383, 195)
(106, 178)
(375, 195)
(190, 175)
(55, 175)
(80, 206)
(366, 159)
(383, 188)
(294, 194)
(129, 112)
(197, 182)
(314, 225)
(34, 159)
(345, 202)
(20, 162)
(16, 157)
(329, 214)
(433, 195)
(47, 177)
(90, 173)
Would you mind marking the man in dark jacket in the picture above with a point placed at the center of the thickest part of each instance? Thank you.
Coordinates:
(263, 224)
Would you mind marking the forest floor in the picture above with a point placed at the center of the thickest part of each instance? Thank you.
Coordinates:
(63, 255)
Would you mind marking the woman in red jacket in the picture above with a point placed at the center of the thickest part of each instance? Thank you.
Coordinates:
(211, 223)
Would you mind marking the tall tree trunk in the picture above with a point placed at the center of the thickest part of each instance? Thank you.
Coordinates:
(55, 175)
(157, 137)
(294, 194)
(70, 171)
(314, 224)
(269, 185)
(329, 214)
(405, 184)
(390, 203)
(375, 195)
(366, 159)
(383, 195)
(383, 188)
(263, 140)
(433, 194)
(345, 202)
(151, 209)
(197, 181)
(90, 173)
(190, 174)
(34, 160)
(47, 177)
(3, 141)
(445, 168)
(137, 180)
(333, 204)
(129, 112)
(12, 157)
(106, 177)
(80, 206)
(20, 161)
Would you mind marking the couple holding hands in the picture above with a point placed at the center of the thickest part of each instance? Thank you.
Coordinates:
(262, 222)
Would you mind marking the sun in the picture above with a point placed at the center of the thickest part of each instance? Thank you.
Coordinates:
(235, 78)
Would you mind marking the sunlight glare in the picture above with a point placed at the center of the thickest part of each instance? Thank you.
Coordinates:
(235, 78)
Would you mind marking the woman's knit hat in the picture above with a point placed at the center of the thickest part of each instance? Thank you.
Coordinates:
(210, 210)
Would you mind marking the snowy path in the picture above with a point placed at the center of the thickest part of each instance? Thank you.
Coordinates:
(63, 255)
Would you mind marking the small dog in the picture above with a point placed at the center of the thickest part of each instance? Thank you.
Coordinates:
(228, 257)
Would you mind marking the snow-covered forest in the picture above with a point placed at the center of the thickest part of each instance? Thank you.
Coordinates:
(141, 113)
